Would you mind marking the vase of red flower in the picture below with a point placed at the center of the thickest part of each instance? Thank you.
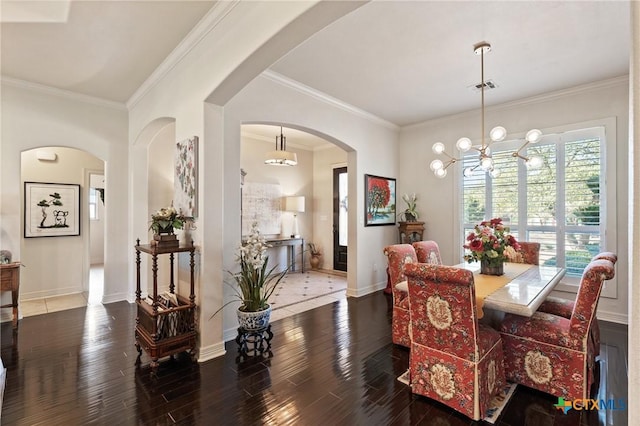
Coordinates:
(490, 244)
(487, 268)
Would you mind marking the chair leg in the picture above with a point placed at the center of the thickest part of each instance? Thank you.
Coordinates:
(595, 386)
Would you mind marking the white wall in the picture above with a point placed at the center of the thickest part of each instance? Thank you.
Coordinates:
(32, 119)
(438, 196)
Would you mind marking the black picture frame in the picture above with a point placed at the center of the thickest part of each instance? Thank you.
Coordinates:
(51, 209)
(379, 200)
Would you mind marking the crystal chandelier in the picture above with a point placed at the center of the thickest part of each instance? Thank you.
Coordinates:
(497, 134)
(281, 157)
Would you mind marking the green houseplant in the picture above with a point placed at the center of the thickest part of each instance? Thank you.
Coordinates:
(255, 282)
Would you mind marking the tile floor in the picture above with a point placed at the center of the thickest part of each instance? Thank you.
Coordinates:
(298, 292)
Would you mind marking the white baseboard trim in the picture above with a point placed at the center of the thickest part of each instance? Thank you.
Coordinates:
(210, 352)
(34, 295)
(613, 317)
(363, 291)
(115, 297)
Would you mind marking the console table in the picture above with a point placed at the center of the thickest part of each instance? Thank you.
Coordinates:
(10, 278)
(291, 244)
(410, 232)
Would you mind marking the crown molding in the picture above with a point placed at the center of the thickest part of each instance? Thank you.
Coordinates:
(62, 93)
(211, 20)
(545, 97)
(323, 97)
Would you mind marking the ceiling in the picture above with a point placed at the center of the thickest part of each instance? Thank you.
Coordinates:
(404, 62)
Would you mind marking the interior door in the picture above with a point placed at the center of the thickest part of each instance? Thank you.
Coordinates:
(340, 209)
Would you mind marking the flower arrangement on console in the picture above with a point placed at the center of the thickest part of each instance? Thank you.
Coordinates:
(166, 220)
(491, 244)
(255, 283)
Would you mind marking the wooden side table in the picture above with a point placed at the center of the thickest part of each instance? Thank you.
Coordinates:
(163, 330)
(410, 232)
(10, 278)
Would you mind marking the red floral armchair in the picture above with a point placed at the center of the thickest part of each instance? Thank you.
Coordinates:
(529, 253)
(552, 353)
(428, 252)
(454, 359)
(564, 307)
(398, 255)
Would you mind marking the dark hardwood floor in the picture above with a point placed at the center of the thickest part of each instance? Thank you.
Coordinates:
(334, 365)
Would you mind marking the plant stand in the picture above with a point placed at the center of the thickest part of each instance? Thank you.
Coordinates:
(254, 343)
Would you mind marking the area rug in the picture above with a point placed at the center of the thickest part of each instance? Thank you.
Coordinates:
(496, 406)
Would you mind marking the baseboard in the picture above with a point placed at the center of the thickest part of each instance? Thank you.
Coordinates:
(115, 297)
(613, 317)
(34, 295)
(210, 352)
(366, 290)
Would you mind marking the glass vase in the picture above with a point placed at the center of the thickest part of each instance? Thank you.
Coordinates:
(487, 268)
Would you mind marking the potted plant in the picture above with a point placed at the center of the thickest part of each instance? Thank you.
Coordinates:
(410, 213)
(165, 220)
(315, 253)
(254, 283)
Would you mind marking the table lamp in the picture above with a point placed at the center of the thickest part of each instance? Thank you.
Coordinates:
(295, 205)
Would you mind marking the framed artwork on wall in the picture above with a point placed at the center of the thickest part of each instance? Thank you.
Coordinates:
(185, 180)
(379, 201)
(51, 209)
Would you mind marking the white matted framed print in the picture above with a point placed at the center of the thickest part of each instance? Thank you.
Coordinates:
(51, 209)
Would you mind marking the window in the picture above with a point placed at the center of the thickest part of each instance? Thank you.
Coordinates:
(94, 195)
(563, 205)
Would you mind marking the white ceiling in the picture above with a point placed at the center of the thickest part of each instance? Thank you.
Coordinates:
(105, 49)
(404, 62)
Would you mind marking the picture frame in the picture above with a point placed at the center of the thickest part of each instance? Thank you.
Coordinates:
(379, 200)
(51, 209)
(185, 180)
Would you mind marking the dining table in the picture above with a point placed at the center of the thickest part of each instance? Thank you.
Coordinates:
(520, 290)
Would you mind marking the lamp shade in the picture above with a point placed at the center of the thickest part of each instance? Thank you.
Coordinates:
(281, 158)
(294, 204)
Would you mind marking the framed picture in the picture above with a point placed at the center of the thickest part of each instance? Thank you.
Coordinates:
(185, 180)
(51, 209)
(379, 201)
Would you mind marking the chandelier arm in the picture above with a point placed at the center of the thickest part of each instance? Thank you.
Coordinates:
(517, 153)
(450, 162)
(447, 155)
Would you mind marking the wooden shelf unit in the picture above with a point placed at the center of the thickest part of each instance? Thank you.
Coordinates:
(10, 279)
(165, 331)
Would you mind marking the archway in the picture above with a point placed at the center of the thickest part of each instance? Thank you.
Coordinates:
(57, 276)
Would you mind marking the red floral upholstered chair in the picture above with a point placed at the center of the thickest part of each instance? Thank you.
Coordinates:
(398, 255)
(552, 353)
(454, 359)
(428, 252)
(529, 253)
(564, 307)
